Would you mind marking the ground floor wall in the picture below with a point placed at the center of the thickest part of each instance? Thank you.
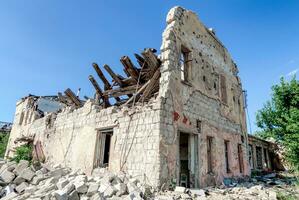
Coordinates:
(70, 138)
(199, 117)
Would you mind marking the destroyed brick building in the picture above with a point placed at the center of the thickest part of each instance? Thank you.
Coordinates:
(178, 118)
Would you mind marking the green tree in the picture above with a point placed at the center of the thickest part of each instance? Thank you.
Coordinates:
(279, 118)
(3, 143)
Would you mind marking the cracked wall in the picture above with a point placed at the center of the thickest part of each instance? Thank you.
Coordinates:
(199, 98)
(69, 138)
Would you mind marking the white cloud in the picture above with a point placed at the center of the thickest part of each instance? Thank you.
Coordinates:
(292, 73)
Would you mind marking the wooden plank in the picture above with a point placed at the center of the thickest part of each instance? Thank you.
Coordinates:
(135, 96)
(61, 98)
(69, 93)
(113, 75)
(152, 61)
(129, 81)
(122, 91)
(148, 90)
(129, 67)
(107, 85)
(99, 91)
(140, 60)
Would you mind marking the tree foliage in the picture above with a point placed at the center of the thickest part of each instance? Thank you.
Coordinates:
(3, 143)
(279, 118)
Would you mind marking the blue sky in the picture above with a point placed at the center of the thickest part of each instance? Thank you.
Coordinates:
(48, 46)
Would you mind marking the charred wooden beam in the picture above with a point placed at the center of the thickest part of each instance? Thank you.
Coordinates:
(113, 75)
(107, 85)
(122, 91)
(71, 95)
(129, 67)
(99, 91)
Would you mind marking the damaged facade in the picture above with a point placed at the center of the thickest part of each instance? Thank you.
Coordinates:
(178, 118)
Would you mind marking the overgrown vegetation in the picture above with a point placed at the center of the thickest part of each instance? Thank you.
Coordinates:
(23, 152)
(284, 196)
(279, 118)
(3, 143)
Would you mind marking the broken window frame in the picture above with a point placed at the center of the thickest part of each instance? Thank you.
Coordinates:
(185, 64)
(209, 154)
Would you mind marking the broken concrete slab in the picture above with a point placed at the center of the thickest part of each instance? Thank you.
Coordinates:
(21, 188)
(60, 195)
(23, 164)
(81, 187)
(27, 174)
(7, 176)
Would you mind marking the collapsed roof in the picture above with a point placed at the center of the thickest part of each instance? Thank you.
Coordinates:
(140, 84)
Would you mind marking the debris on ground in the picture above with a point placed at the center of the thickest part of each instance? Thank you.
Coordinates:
(20, 181)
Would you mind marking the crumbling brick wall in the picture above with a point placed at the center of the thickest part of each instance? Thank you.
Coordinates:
(70, 138)
(199, 99)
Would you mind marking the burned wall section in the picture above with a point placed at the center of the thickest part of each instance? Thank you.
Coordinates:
(208, 95)
(69, 137)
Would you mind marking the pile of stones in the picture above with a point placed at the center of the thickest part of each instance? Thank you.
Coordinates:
(21, 181)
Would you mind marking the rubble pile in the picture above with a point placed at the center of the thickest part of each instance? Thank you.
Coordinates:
(22, 181)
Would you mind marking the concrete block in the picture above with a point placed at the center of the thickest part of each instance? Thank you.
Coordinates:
(74, 195)
(7, 176)
(62, 183)
(23, 164)
(81, 187)
(18, 180)
(21, 188)
(92, 189)
(60, 195)
(27, 174)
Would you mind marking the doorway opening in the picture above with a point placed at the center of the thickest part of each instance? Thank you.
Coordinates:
(184, 160)
(102, 151)
(188, 175)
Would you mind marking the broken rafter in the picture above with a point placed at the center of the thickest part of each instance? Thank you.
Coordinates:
(140, 60)
(135, 96)
(113, 75)
(122, 91)
(71, 95)
(99, 91)
(151, 86)
(107, 85)
(152, 61)
(129, 67)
